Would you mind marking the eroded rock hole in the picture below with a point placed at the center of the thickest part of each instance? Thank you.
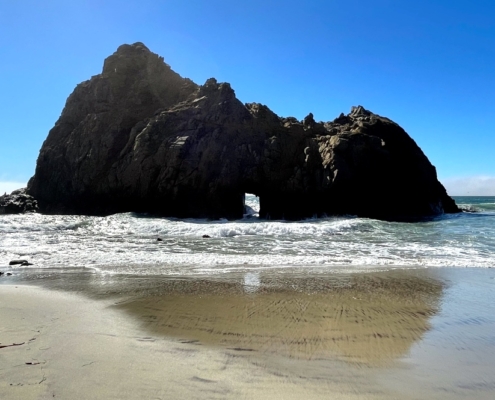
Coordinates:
(251, 205)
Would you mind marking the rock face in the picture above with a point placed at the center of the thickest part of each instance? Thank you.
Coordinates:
(17, 202)
(138, 137)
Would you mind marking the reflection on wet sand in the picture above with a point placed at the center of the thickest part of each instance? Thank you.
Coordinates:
(401, 334)
(365, 319)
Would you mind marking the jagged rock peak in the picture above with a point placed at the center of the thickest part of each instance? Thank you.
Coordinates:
(138, 46)
(359, 111)
(212, 85)
(131, 55)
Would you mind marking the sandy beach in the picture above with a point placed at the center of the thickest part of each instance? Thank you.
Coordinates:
(401, 334)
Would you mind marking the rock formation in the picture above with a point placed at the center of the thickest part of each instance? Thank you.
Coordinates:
(138, 137)
(17, 202)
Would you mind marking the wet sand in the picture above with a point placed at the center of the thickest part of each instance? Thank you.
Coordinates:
(402, 334)
(359, 319)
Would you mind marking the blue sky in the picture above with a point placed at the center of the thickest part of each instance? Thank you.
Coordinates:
(427, 65)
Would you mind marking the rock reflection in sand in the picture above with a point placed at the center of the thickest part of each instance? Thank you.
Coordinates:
(369, 319)
(251, 282)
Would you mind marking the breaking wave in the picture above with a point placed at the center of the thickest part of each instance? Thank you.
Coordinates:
(138, 244)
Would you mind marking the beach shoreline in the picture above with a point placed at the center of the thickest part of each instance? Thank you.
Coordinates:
(408, 333)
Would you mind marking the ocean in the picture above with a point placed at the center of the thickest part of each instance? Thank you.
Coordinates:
(139, 244)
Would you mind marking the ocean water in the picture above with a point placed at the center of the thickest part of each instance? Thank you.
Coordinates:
(128, 243)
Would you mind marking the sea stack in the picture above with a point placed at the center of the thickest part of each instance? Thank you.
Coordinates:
(139, 137)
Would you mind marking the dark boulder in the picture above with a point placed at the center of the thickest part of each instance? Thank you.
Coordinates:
(17, 202)
(138, 137)
(20, 262)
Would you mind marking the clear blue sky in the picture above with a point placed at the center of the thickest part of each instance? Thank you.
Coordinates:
(428, 65)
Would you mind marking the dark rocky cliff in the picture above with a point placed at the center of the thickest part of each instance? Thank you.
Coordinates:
(138, 137)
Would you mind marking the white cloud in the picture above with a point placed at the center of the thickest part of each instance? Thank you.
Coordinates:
(7, 187)
(470, 186)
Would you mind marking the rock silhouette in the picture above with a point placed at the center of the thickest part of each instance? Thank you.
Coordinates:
(138, 137)
(17, 202)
